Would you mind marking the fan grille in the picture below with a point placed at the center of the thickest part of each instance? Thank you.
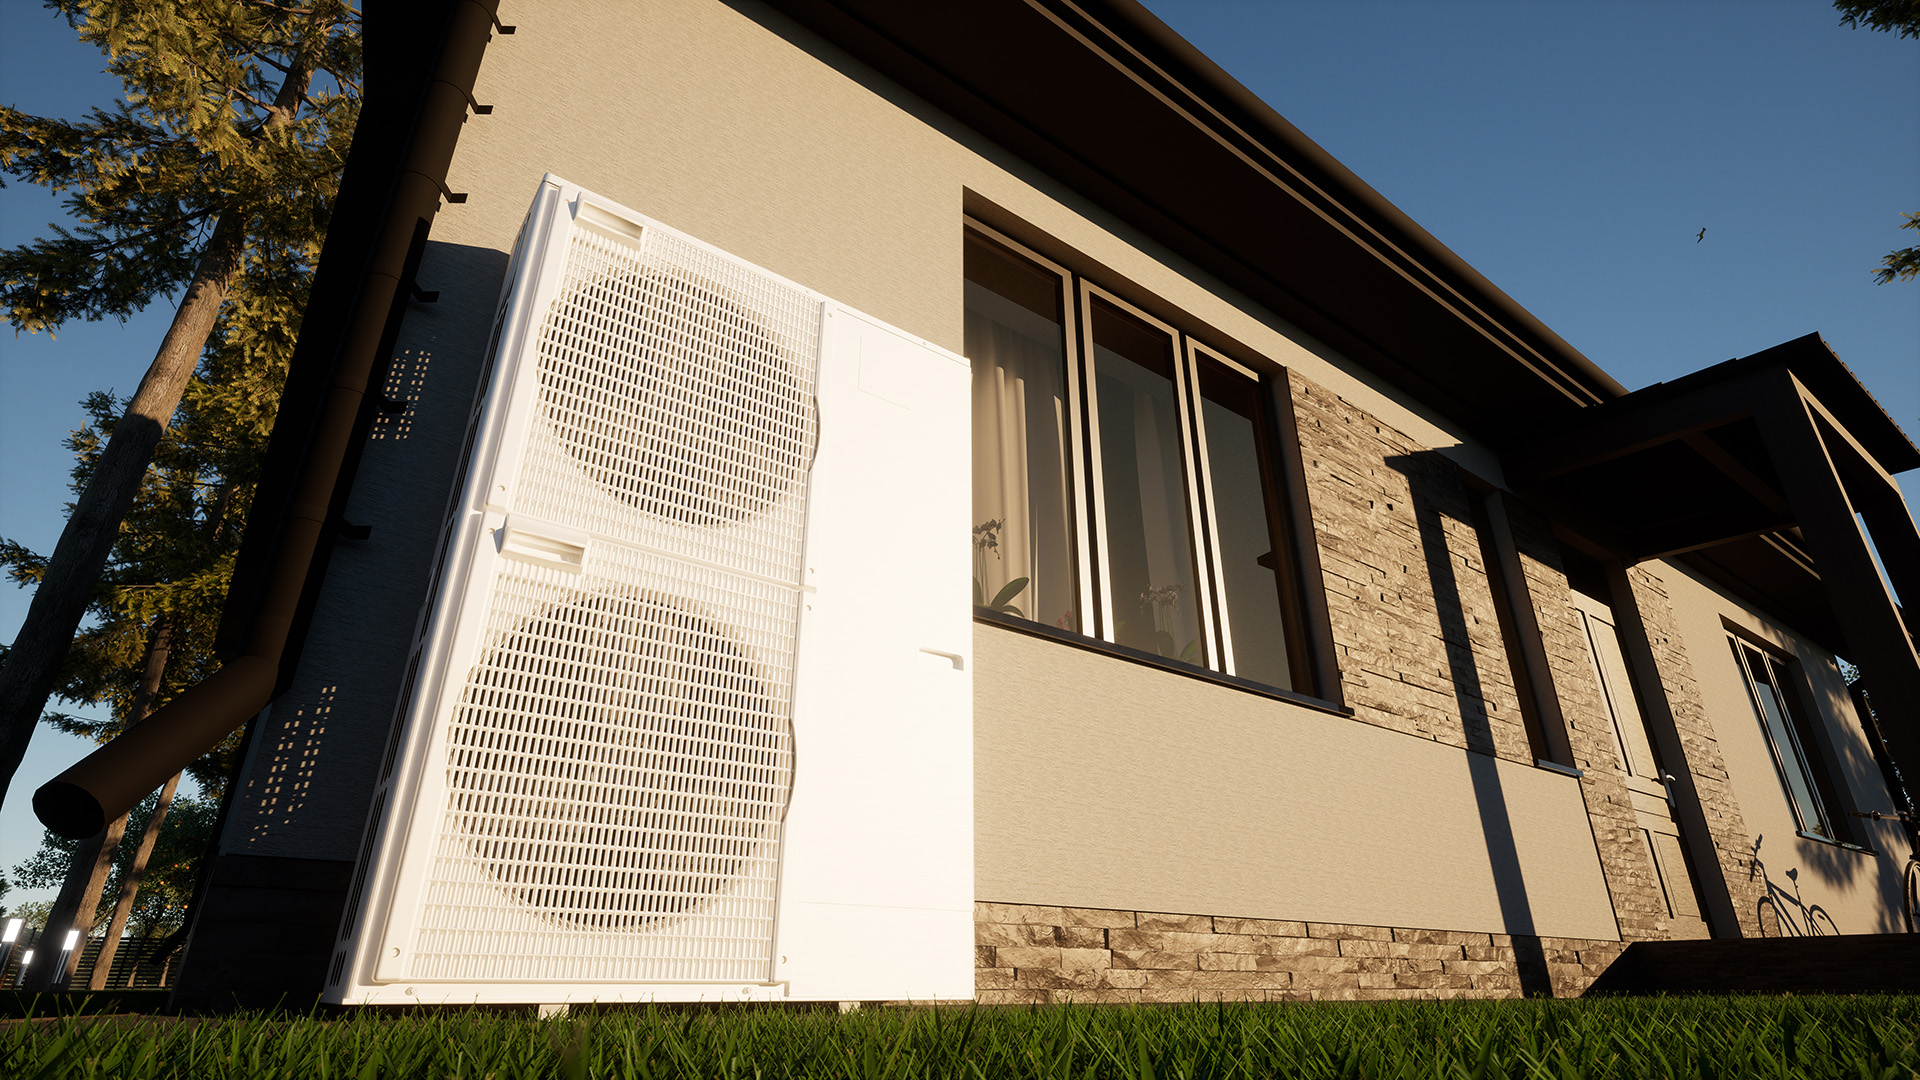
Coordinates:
(621, 752)
(676, 389)
(616, 772)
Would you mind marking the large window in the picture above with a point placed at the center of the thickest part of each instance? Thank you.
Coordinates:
(1790, 737)
(1124, 475)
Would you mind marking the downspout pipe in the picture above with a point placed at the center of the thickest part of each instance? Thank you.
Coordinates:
(111, 780)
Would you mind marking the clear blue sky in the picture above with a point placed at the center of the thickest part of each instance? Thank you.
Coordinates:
(1569, 151)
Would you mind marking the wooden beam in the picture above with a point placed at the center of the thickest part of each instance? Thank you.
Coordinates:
(1732, 469)
(1627, 426)
(1656, 543)
(1876, 635)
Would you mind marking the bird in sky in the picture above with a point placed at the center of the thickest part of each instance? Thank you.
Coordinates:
(1702, 236)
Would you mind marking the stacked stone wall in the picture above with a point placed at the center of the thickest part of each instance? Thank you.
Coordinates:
(1418, 640)
(1027, 954)
(1415, 631)
(1639, 905)
(1732, 844)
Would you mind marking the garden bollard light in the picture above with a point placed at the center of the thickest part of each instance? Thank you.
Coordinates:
(66, 950)
(26, 959)
(8, 939)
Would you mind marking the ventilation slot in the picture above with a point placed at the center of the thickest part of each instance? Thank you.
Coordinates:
(400, 721)
(354, 895)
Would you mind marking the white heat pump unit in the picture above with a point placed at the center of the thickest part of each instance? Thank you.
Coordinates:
(690, 712)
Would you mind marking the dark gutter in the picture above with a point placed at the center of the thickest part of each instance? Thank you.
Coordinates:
(395, 176)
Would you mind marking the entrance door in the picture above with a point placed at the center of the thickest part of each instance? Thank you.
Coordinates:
(1647, 782)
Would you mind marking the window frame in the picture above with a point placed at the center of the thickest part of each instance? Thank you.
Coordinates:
(1089, 294)
(1282, 506)
(1788, 681)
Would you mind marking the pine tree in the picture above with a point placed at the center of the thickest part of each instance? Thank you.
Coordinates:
(221, 163)
(157, 607)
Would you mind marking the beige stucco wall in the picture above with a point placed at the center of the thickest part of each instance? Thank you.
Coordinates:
(1104, 783)
(1859, 891)
(752, 134)
(1101, 783)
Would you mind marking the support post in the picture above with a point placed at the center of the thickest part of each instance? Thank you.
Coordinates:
(1723, 919)
(1876, 635)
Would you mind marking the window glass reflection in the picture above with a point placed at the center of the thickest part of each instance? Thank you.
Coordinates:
(1251, 570)
(1771, 705)
(1023, 557)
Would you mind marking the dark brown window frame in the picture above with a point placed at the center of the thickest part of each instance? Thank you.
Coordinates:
(1309, 640)
(1813, 745)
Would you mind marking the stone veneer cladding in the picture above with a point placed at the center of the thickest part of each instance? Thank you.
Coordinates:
(1417, 641)
(1417, 638)
(1707, 765)
(1026, 954)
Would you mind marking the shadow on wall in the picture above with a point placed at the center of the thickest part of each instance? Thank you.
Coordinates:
(1430, 480)
(1785, 912)
(1842, 867)
(1854, 771)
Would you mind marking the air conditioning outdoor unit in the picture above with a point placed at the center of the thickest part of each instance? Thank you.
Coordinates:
(689, 716)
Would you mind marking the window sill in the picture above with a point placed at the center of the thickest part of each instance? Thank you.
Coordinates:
(1193, 671)
(1554, 766)
(1831, 842)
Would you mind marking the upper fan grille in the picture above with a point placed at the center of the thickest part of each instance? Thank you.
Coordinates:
(680, 384)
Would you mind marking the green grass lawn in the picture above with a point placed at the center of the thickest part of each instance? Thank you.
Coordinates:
(1860, 1037)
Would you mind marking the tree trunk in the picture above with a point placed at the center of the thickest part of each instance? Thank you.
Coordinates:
(150, 678)
(79, 897)
(31, 670)
(103, 964)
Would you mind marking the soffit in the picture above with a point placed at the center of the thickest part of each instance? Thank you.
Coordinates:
(1682, 469)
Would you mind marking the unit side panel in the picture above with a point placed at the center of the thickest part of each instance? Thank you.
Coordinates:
(877, 886)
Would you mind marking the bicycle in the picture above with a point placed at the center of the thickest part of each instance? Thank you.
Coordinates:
(1910, 877)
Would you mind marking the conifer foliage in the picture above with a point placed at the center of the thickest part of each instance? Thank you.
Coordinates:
(210, 184)
(215, 173)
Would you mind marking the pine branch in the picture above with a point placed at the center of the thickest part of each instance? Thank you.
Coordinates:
(233, 176)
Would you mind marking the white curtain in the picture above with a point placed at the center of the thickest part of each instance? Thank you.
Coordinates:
(1150, 562)
(1020, 457)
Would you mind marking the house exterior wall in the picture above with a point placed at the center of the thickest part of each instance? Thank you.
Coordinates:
(1790, 875)
(1337, 851)
(794, 158)
(1104, 783)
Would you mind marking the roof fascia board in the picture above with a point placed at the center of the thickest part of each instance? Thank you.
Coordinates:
(1370, 219)
(1361, 276)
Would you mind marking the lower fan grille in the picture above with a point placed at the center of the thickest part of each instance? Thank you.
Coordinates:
(616, 771)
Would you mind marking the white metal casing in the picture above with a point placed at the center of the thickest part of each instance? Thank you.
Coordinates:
(690, 715)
